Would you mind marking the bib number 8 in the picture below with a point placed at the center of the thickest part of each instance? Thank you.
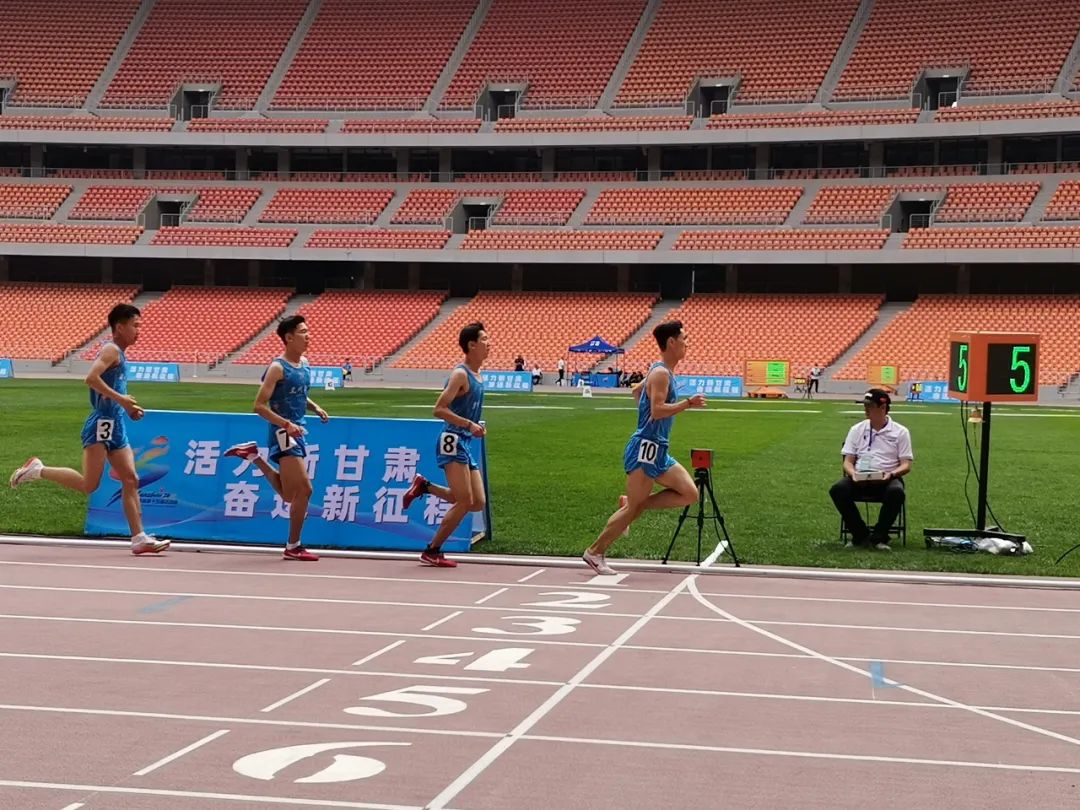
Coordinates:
(448, 444)
(105, 428)
(647, 452)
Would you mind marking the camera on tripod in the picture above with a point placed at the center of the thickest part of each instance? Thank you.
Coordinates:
(701, 459)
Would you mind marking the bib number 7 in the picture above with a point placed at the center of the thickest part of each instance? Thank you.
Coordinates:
(284, 440)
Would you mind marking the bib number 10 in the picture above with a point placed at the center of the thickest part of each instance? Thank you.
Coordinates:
(647, 452)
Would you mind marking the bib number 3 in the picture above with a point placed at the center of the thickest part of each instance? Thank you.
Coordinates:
(647, 452)
(448, 444)
(105, 429)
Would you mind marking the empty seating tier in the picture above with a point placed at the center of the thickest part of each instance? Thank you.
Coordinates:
(371, 126)
(819, 239)
(330, 205)
(748, 205)
(55, 319)
(235, 44)
(563, 53)
(539, 326)
(258, 125)
(56, 50)
(779, 49)
(200, 324)
(814, 118)
(987, 202)
(224, 237)
(594, 124)
(1004, 238)
(727, 330)
(71, 234)
(915, 339)
(856, 203)
(362, 326)
(86, 123)
(36, 201)
(561, 240)
(990, 112)
(1065, 204)
(379, 239)
(1020, 49)
(426, 206)
(210, 204)
(373, 54)
(538, 207)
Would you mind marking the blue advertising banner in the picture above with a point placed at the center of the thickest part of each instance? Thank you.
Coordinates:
(360, 469)
(153, 372)
(320, 374)
(7, 370)
(731, 387)
(932, 391)
(520, 381)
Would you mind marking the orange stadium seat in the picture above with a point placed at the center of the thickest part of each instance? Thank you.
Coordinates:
(203, 324)
(309, 125)
(379, 239)
(561, 240)
(1065, 204)
(727, 330)
(86, 123)
(815, 118)
(373, 54)
(747, 205)
(855, 203)
(593, 124)
(914, 339)
(1006, 48)
(55, 319)
(225, 237)
(820, 239)
(71, 234)
(1030, 237)
(371, 126)
(564, 57)
(991, 112)
(346, 206)
(780, 49)
(32, 201)
(236, 44)
(360, 325)
(540, 326)
(212, 203)
(987, 202)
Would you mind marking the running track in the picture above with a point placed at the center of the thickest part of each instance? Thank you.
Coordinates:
(196, 681)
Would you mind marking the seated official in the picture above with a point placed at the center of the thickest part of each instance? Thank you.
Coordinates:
(877, 455)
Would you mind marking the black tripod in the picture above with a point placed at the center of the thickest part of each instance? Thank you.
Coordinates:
(703, 479)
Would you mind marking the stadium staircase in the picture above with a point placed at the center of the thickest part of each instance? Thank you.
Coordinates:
(446, 309)
(886, 314)
(107, 75)
(847, 45)
(607, 98)
(659, 312)
(295, 41)
(226, 368)
(456, 57)
(1069, 70)
(1037, 209)
(577, 219)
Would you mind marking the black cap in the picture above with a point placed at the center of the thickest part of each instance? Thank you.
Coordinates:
(876, 396)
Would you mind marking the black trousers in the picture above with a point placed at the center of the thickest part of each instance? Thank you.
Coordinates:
(890, 493)
(812, 386)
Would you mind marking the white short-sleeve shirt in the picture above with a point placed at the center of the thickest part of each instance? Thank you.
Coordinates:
(880, 450)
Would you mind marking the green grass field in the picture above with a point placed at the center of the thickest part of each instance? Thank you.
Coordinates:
(556, 469)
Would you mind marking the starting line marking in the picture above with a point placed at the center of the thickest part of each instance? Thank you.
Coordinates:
(187, 750)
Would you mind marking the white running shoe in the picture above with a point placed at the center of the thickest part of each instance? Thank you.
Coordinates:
(249, 451)
(30, 471)
(623, 501)
(598, 564)
(144, 543)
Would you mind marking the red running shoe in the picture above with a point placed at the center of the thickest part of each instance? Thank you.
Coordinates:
(300, 553)
(248, 451)
(431, 556)
(418, 488)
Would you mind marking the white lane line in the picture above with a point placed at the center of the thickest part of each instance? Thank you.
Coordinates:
(947, 763)
(536, 573)
(866, 674)
(470, 774)
(377, 653)
(74, 806)
(721, 547)
(191, 794)
(186, 750)
(886, 602)
(295, 695)
(443, 620)
(490, 596)
(606, 581)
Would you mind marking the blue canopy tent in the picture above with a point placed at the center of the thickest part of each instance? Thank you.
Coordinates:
(597, 345)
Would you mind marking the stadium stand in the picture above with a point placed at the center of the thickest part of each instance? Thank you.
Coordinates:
(543, 207)
(991, 112)
(203, 324)
(55, 319)
(299, 125)
(913, 339)
(84, 123)
(330, 205)
(814, 118)
(561, 240)
(426, 206)
(212, 203)
(236, 43)
(1006, 49)
(820, 239)
(564, 56)
(371, 126)
(593, 124)
(1065, 204)
(373, 54)
(780, 49)
(379, 239)
(55, 51)
(70, 234)
(746, 205)
(727, 330)
(1003, 238)
(225, 237)
(855, 204)
(987, 202)
(361, 325)
(31, 201)
(540, 326)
